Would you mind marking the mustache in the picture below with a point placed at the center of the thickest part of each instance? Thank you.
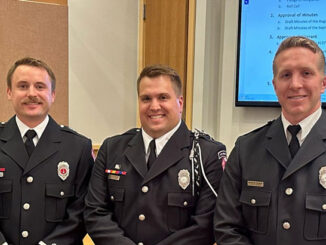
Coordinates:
(31, 99)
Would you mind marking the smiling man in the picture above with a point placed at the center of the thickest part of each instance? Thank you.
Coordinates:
(44, 167)
(142, 190)
(274, 188)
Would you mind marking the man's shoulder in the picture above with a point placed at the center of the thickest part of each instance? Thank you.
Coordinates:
(69, 132)
(258, 132)
(206, 139)
(125, 136)
(5, 124)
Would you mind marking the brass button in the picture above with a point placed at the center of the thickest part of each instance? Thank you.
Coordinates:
(62, 193)
(112, 198)
(25, 234)
(141, 217)
(144, 189)
(323, 207)
(185, 203)
(26, 206)
(286, 225)
(253, 201)
(30, 179)
(289, 191)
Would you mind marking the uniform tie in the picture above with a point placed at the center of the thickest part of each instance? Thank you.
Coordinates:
(152, 154)
(294, 143)
(29, 144)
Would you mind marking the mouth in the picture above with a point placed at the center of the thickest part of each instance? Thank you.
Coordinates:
(32, 103)
(156, 116)
(297, 97)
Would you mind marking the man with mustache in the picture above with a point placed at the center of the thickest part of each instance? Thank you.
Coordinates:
(273, 191)
(44, 167)
(141, 190)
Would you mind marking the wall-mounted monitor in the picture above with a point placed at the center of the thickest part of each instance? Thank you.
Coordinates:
(263, 24)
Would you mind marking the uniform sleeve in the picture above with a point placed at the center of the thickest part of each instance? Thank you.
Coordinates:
(229, 226)
(71, 230)
(98, 216)
(200, 229)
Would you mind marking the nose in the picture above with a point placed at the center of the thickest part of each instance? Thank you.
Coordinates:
(296, 81)
(155, 105)
(31, 91)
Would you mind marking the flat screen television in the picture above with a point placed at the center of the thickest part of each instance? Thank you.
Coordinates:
(263, 24)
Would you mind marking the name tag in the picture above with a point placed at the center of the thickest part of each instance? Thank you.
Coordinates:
(255, 183)
(114, 177)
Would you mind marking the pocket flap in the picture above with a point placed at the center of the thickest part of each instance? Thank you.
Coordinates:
(5, 186)
(60, 190)
(255, 198)
(117, 194)
(316, 202)
(180, 200)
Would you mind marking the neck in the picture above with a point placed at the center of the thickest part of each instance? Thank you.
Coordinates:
(31, 123)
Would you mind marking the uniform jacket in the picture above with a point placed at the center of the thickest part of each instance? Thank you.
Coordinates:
(35, 203)
(150, 207)
(268, 199)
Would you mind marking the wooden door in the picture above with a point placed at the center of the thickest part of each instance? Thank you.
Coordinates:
(166, 37)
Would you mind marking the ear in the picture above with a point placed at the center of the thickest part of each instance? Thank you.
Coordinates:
(9, 93)
(323, 85)
(274, 84)
(180, 102)
(53, 96)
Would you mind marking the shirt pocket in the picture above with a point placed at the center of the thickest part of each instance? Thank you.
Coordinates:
(256, 209)
(179, 208)
(5, 198)
(56, 200)
(117, 196)
(315, 217)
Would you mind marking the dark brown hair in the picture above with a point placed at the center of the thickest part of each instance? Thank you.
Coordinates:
(28, 61)
(161, 70)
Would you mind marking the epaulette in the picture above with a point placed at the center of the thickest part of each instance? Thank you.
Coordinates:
(262, 127)
(69, 130)
(132, 131)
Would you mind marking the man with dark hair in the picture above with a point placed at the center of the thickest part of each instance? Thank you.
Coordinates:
(44, 167)
(144, 187)
(273, 191)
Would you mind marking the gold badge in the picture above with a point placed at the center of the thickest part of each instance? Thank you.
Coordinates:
(184, 178)
(322, 176)
(63, 170)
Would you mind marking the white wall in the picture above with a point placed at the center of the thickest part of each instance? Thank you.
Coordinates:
(215, 75)
(102, 66)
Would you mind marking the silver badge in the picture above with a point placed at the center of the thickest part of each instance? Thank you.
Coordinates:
(184, 178)
(322, 176)
(63, 170)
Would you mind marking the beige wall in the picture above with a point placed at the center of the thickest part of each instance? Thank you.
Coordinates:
(103, 69)
(102, 66)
